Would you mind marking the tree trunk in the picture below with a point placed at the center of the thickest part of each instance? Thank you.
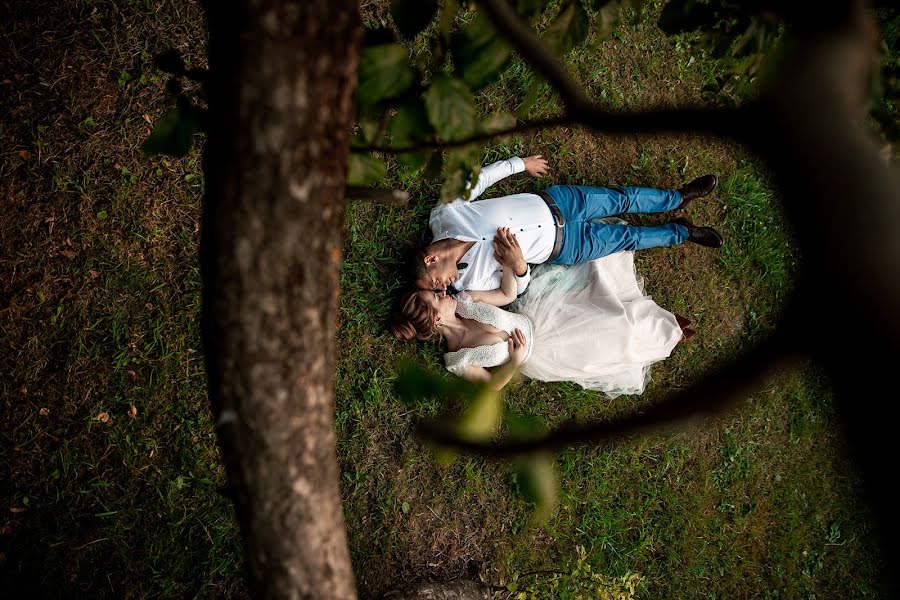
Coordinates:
(282, 76)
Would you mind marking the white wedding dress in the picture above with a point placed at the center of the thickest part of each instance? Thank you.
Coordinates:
(589, 323)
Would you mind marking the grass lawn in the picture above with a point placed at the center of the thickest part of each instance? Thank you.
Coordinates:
(110, 475)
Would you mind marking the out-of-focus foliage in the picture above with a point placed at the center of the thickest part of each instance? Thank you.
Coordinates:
(431, 100)
(579, 582)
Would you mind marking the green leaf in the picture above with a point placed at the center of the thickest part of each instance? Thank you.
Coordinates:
(568, 29)
(450, 107)
(101, 216)
(415, 383)
(414, 160)
(679, 16)
(524, 427)
(479, 53)
(172, 134)
(535, 90)
(454, 185)
(412, 16)
(410, 123)
(538, 483)
(384, 72)
(498, 121)
(481, 419)
(363, 169)
(434, 167)
(378, 37)
(530, 8)
(405, 508)
(467, 158)
(462, 165)
(448, 14)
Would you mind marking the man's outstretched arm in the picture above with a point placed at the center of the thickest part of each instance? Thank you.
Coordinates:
(536, 166)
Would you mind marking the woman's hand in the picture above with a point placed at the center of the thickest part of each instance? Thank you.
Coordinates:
(517, 346)
(536, 165)
(508, 252)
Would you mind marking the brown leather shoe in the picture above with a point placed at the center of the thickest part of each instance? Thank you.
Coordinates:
(705, 236)
(697, 188)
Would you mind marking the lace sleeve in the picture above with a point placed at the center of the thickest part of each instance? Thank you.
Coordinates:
(456, 362)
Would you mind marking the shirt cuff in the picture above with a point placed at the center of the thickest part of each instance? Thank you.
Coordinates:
(517, 164)
(522, 282)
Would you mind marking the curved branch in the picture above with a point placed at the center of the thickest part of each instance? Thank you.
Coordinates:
(715, 394)
(377, 195)
(722, 122)
(536, 53)
(737, 123)
(481, 137)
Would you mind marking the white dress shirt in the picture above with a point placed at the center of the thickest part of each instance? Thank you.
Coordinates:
(527, 215)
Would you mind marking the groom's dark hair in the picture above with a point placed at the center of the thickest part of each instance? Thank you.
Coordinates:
(417, 268)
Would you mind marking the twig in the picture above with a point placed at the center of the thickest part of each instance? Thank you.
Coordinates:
(723, 122)
(536, 53)
(380, 195)
(715, 394)
(481, 137)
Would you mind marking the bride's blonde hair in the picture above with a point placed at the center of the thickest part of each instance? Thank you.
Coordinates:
(413, 319)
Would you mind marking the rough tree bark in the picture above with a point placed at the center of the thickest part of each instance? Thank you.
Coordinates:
(282, 76)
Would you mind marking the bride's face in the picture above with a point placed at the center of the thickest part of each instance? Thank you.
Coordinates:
(444, 305)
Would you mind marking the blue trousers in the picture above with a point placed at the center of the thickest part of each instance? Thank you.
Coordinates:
(585, 240)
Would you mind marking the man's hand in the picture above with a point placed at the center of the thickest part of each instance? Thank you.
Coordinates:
(508, 252)
(536, 165)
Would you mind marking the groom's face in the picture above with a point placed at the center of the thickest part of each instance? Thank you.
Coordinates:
(441, 273)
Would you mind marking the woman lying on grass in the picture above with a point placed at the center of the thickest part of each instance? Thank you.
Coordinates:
(589, 323)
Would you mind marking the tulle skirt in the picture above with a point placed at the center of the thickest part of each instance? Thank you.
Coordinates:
(594, 326)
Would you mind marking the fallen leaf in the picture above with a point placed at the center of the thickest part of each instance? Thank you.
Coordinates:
(17, 509)
(147, 118)
(132, 412)
(133, 375)
(19, 76)
(94, 274)
(5, 530)
(70, 254)
(103, 417)
(24, 153)
(44, 412)
(149, 306)
(23, 390)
